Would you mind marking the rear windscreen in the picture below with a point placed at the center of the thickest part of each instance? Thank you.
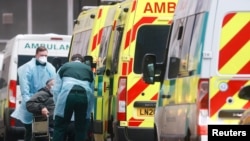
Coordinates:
(150, 39)
(56, 61)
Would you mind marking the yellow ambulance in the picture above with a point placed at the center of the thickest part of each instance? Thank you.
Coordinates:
(82, 31)
(205, 76)
(91, 36)
(128, 103)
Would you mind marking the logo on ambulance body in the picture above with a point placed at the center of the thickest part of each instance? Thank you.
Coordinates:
(159, 7)
(59, 48)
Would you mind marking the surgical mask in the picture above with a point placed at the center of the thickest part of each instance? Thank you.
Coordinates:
(51, 89)
(42, 59)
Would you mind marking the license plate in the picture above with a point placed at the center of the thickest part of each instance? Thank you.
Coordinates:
(145, 112)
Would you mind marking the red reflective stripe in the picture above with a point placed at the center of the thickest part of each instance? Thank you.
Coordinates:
(124, 68)
(114, 25)
(130, 65)
(155, 97)
(135, 122)
(143, 20)
(234, 86)
(99, 13)
(245, 69)
(234, 45)
(220, 98)
(100, 36)
(94, 43)
(136, 90)
(227, 18)
(127, 41)
(134, 5)
(247, 105)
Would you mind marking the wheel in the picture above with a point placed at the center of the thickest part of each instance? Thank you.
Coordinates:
(8, 136)
(155, 133)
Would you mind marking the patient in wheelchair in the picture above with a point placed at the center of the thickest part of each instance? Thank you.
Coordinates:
(42, 106)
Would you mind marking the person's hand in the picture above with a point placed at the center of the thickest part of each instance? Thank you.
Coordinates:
(45, 111)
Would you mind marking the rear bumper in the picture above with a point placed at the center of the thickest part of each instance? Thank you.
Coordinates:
(17, 131)
(122, 133)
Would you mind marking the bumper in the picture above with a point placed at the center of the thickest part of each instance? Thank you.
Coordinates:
(17, 132)
(13, 132)
(132, 133)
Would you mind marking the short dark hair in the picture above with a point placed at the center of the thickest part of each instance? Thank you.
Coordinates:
(47, 82)
(41, 48)
(77, 57)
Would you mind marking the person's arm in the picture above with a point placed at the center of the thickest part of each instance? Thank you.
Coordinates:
(57, 87)
(36, 103)
(24, 74)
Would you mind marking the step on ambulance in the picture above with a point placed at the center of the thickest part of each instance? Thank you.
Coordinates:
(140, 27)
(205, 76)
(19, 50)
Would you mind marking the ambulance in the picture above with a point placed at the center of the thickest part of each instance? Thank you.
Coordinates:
(82, 31)
(205, 76)
(93, 44)
(19, 50)
(128, 103)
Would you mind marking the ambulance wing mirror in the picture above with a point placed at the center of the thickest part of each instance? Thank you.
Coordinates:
(174, 65)
(89, 61)
(148, 68)
(1, 61)
(245, 93)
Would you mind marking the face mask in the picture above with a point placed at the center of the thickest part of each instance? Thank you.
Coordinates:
(51, 89)
(42, 59)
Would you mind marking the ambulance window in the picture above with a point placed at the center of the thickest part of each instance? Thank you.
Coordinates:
(56, 61)
(185, 44)
(195, 47)
(188, 47)
(103, 49)
(5, 72)
(80, 43)
(150, 39)
(116, 48)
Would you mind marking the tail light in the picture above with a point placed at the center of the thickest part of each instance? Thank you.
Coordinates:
(121, 102)
(12, 94)
(12, 98)
(203, 96)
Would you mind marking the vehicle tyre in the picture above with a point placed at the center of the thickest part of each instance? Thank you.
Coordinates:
(114, 139)
(8, 136)
(155, 133)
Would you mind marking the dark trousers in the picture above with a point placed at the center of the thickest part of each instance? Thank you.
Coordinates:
(77, 103)
(28, 132)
